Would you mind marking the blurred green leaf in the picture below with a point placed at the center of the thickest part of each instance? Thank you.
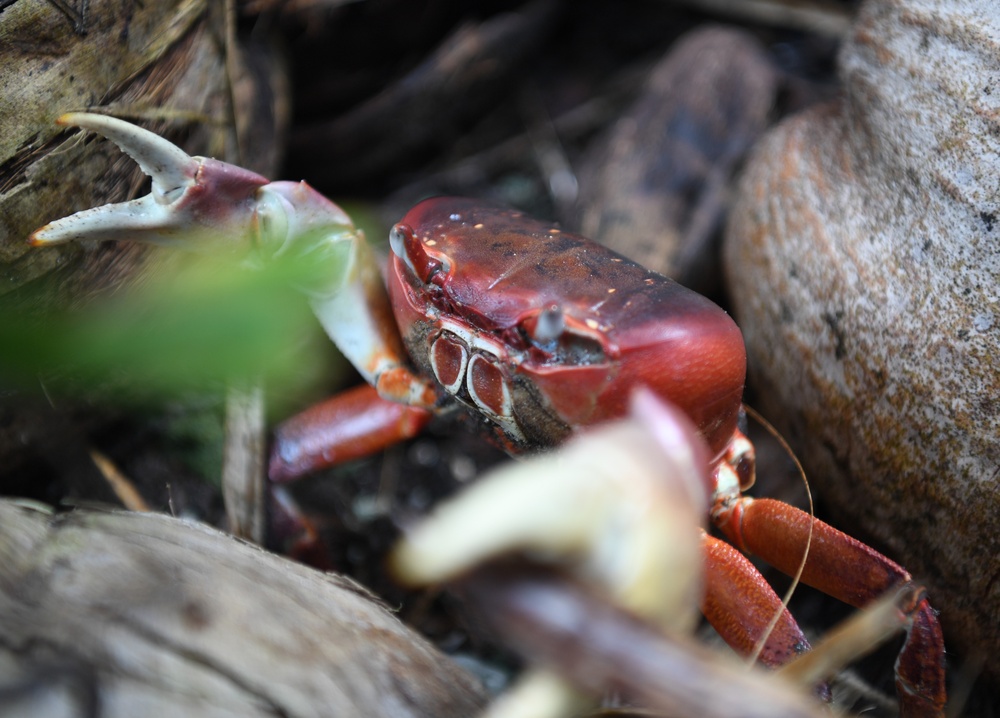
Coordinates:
(212, 322)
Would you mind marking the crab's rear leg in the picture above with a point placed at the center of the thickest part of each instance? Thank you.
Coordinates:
(850, 571)
(739, 603)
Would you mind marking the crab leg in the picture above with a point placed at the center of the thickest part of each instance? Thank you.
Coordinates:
(740, 604)
(852, 572)
(351, 425)
(207, 205)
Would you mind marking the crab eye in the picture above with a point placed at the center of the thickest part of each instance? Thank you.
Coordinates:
(562, 341)
(397, 243)
(410, 250)
(549, 325)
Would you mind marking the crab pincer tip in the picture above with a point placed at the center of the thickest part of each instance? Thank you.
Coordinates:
(68, 118)
(60, 231)
(170, 167)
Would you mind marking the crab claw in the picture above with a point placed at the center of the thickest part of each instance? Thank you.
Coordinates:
(204, 204)
(193, 199)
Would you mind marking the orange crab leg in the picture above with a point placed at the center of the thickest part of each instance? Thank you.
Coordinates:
(852, 572)
(351, 425)
(740, 604)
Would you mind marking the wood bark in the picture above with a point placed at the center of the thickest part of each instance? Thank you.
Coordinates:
(125, 614)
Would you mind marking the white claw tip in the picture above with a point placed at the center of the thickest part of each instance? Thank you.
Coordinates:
(171, 168)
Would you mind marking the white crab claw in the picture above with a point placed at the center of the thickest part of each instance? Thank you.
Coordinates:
(171, 168)
(207, 205)
(192, 198)
(615, 505)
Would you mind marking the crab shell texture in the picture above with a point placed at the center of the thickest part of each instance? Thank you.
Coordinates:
(863, 259)
(544, 331)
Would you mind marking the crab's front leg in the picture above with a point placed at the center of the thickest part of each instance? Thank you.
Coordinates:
(207, 205)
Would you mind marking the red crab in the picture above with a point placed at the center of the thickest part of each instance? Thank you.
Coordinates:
(536, 331)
